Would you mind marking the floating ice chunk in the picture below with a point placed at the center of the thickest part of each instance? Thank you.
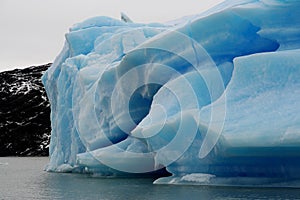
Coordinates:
(214, 94)
(200, 178)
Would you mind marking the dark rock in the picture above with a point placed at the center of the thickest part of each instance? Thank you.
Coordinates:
(24, 113)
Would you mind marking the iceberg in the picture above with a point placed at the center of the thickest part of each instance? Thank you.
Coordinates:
(212, 98)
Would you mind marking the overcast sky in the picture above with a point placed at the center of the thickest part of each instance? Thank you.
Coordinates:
(32, 31)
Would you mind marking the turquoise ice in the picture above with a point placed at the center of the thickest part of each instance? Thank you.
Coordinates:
(212, 98)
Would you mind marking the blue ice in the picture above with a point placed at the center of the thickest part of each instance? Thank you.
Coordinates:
(212, 98)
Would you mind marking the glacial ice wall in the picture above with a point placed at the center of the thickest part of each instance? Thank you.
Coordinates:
(213, 98)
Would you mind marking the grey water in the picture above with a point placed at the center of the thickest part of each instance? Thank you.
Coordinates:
(24, 178)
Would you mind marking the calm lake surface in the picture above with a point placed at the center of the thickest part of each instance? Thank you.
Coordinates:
(24, 178)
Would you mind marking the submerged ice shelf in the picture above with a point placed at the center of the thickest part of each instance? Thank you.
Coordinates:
(214, 99)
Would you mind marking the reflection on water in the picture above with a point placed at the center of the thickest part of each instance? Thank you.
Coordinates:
(24, 178)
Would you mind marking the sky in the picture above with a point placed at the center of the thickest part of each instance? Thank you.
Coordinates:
(32, 31)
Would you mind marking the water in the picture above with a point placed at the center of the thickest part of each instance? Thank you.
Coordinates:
(24, 178)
